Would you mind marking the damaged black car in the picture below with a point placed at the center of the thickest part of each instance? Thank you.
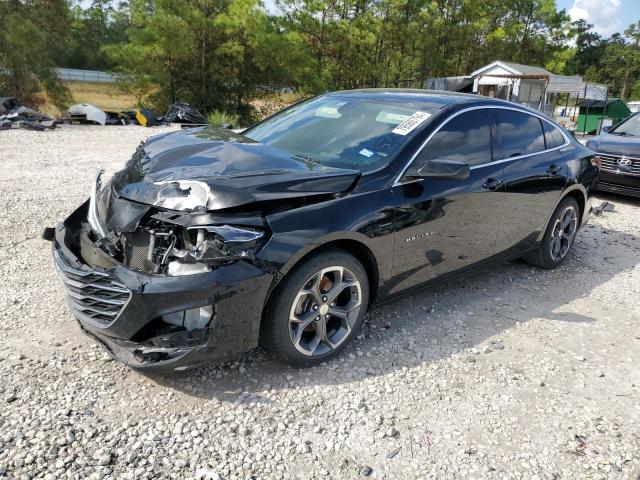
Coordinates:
(210, 242)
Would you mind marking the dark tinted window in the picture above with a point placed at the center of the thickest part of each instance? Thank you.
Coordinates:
(552, 135)
(466, 138)
(518, 134)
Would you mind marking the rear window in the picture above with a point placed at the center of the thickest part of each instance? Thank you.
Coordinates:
(552, 135)
(518, 134)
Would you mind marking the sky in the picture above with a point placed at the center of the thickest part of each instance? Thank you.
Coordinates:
(607, 16)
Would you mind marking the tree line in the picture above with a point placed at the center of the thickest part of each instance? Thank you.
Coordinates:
(222, 54)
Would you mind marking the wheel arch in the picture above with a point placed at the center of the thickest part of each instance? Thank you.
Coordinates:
(579, 194)
(579, 197)
(349, 243)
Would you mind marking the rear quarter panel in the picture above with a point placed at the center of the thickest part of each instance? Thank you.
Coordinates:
(582, 177)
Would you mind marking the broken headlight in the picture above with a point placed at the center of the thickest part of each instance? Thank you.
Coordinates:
(222, 242)
(93, 217)
(165, 246)
(203, 248)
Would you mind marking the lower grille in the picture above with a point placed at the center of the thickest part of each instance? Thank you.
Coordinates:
(617, 188)
(91, 294)
(610, 164)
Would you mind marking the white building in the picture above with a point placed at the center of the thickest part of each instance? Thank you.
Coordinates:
(525, 84)
(528, 85)
(512, 81)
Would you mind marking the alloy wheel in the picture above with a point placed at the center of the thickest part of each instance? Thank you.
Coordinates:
(325, 311)
(563, 233)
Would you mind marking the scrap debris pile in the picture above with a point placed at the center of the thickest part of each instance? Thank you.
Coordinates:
(183, 113)
(15, 115)
(178, 112)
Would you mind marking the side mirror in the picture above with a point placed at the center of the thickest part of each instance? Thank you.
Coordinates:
(445, 169)
(606, 129)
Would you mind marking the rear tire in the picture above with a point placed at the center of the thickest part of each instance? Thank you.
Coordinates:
(317, 309)
(559, 238)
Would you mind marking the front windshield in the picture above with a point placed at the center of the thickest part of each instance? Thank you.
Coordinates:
(630, 127)
(342, 131)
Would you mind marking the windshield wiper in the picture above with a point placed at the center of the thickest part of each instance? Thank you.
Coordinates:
(622, 134)
(306, 158)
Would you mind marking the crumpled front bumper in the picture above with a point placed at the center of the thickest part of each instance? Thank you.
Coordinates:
(119, 306)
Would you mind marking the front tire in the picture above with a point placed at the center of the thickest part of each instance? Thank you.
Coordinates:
(318, 308)
(559, 237)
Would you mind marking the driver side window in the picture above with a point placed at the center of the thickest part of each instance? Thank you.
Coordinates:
(465, 138)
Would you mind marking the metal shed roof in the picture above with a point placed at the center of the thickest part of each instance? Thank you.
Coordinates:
(565, 84)
(516, 68)
(526, 69)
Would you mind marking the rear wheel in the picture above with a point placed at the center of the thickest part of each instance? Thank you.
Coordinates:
(318, 308)
(559, 237)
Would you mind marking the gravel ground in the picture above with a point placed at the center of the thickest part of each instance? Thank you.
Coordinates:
(514, 373)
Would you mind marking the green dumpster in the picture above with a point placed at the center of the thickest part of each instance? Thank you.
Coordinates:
(592, 112)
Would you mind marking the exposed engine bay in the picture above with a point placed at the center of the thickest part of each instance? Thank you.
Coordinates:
(168, 242)
(160, 247)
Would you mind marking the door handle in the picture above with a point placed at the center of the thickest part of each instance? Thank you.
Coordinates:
(493, 183)
(553, 169)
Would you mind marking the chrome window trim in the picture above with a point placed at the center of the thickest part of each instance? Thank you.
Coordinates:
(495, 162)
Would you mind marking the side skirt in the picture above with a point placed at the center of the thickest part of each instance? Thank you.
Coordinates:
(451, 276)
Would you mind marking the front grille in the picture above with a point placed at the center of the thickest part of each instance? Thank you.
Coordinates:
(610, 164)
(91, 294)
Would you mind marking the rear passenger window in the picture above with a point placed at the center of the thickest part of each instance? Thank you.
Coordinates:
(552, 135)
(517, 134)
(465, 138)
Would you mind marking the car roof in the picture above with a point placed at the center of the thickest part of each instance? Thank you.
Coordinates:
(432, 98)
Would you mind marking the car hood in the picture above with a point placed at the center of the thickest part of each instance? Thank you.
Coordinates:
(617, 145)
(206, 169)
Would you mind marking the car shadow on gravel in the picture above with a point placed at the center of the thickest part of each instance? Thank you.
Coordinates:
(616, 198)
(433, 324)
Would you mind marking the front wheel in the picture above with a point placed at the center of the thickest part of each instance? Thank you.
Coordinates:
(559, 237)
(317, 309)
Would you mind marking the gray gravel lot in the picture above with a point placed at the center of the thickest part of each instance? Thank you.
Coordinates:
(513, 373)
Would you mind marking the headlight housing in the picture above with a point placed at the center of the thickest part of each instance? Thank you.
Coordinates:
(223, 242)
(92, 216)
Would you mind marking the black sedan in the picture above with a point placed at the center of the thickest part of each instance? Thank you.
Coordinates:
(619, 151)
(210, 242)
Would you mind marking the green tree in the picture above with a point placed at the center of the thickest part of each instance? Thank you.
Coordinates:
(620, 62)
(589, 48)
(31, 34)
(91, 31)
(214, 54)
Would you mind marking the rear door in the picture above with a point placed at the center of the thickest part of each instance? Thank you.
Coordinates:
(534, 174)
(444, 225)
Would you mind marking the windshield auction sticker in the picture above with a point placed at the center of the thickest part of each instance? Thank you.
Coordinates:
(411, 123)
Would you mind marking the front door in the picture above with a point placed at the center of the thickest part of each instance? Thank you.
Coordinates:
(443, 225)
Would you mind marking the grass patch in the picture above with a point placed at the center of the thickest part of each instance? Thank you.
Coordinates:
(103, 95)
(107, 96)
(222, 119)
(270, 104)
